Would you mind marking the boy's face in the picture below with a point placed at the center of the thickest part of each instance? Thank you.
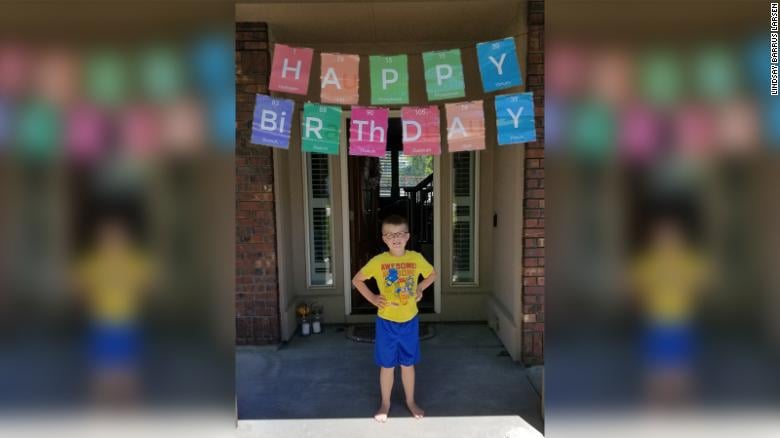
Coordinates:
(669, 234)
(113, 235)
(395, 236)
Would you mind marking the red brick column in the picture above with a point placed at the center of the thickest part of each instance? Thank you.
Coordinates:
(533, 210)
(257, 291)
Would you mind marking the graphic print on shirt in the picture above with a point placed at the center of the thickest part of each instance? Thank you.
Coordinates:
(400, 278)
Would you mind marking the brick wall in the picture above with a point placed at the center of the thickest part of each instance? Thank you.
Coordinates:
(533, 211)
(257, 291)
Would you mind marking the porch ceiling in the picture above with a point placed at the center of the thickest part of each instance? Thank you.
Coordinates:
(380, 22)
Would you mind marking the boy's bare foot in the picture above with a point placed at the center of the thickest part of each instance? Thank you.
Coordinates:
(415, 410)
(381, 414)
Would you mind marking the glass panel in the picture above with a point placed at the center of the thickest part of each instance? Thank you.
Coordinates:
(386, 180)
(320, 220)
(463, 217)
(413, 169)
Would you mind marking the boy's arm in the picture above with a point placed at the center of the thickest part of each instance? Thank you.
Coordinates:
(360, 284)
(427, 281)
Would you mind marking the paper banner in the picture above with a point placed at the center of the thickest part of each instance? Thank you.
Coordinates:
(222, 119)
(272, 121)
(770, 122)
(592, 129)
(556, 119)
(498, 64)
(106, 77)
(16, 66)
(38, 129)
(661, 77)
(5, 124)
(140, 130)
(738, 126)
(213, 63)
(389, 80)
(162, 73)
(420, 128)
(639, 133)
(695, 130)
(368, 131)
(290, 69)
(716, 72)
(183, 126)
(465, 126)
(339, 78)
(86, 132)
(443, 74)
(515, 118)
(57, 76)
(321, 128)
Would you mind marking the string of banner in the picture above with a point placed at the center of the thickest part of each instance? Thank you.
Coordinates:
(389, 78)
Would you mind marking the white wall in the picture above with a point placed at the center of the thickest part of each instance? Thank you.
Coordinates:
(505, 303)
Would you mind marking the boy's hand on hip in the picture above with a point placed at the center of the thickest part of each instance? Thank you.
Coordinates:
(381, 302)
(418, 296)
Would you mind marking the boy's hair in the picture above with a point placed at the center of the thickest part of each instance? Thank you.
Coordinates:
(395, 219)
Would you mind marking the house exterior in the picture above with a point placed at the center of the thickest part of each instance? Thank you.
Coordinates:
(306, 222)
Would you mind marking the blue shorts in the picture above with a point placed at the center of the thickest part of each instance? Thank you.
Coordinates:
(397, 343)
(114, 345)
(668, 345)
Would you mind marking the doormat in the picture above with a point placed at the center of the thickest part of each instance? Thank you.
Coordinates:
(367, 332)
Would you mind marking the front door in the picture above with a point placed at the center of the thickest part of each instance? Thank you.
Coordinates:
(379, 187)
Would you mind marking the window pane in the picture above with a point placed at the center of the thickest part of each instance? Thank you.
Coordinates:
(413, 170)
(320, 220)
(463, 218)
(386, 180)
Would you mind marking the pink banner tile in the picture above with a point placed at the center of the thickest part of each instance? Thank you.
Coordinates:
(139, 130)
(290, 69)
(695, 129)
(639, 133)
(421, 132)
(465, 126)
(368, 131)
(86, 132)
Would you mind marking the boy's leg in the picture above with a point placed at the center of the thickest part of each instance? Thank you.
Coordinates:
(409, 355)
(407, 378)
(386, 387)
(385, 346)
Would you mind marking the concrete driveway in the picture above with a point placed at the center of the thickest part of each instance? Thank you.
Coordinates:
(327, 385)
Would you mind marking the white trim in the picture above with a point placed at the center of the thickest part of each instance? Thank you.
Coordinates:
(305, 171)
(345, 216)
(437, 232)
(307, 249)
(475, 283)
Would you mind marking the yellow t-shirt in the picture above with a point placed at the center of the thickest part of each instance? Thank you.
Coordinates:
(668, 282)
(114, 283)
(397, 281)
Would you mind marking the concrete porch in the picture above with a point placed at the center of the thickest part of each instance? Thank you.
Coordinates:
(332, 383)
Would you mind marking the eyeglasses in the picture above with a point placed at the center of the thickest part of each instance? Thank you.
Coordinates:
(395, 235)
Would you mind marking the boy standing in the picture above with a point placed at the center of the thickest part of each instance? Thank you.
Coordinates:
(397, 323)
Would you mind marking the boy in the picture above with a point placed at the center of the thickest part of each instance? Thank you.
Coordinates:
(397, 324)
(669, 276)
(113, 278)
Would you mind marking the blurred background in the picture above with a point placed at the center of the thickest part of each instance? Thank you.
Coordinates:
(116, 212)
(662, 170)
